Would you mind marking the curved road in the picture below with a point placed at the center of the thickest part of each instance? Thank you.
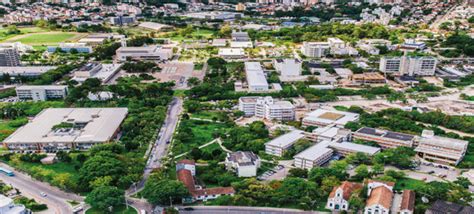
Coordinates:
(56, 199)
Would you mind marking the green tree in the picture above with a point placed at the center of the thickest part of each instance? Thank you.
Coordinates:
(362, 171)
(159, 191)
(104, 197)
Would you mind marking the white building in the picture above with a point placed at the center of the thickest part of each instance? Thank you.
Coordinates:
(442, 150)
(314, 156)
(322, 117)
(103, 72)
(241, 44)
(41, 92)
(7, 206)
(338, 199)
(152, 52)
(279, 145)
(288, 67)
(245, 164)
(315, 49)
(380, 197)
(266, 107)
(232, 53)
(411, 66)
(25, 71)
(188, 165)
(256, 80)
(68, 47)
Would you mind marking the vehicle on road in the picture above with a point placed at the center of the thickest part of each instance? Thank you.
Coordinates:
(142, 211)
(43, 194)
(188, 208)
(6, 171)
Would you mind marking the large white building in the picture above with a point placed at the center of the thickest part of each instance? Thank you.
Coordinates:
(322, 117)
(315, 49)
(152, 52)
(266, 107)
(56, 129)
(103, 72)
(281, 144)
(7, 206)
(256, 80)
(288, 67)
(25, 71)
(245, 164)
(442, 150)
(411, 66)
(314, 156)
(41, 92)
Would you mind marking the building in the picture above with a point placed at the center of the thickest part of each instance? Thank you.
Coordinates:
(156, 26)
(188, 165)
(197, 192)
(281, 144)
(373, 184)
(314, 156)
(407, 205)
(368, 78)
(322, 117)
(152, 52)
(379, 201)
(68, 47)
(7, 206)
(25, 71)
(347, 148)
(315, 49)
(440, 206)
(407, 65)
(442, 150)
(245, 164)
(328, 133)
(9, 57)
(240, 36)
(41, 92)
(256, 80)
(215, 15)
(55, 129)
(338, 199)
(103, 72)
(231, 53)
(97, 38)
(288, 67)
(266, 107)
(122, 20)
(386, 139)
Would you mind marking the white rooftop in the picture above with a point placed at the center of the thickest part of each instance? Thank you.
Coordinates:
(25, 70)
(354, 147)
(331, 117)
(47, 87)
(101, 124)
(286, 140)
(154, 25)
(255, 75)
(231, 52)
(315, 151)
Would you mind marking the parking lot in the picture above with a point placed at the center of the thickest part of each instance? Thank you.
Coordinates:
(277, 173)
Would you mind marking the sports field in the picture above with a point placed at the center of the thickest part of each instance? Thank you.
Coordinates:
(46, 38)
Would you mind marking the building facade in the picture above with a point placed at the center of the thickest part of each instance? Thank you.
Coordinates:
(266, 107)
(407, 65)
(315, 49)
(9, 57)
(243, 163)
(442, 150)
(152, 52)
(386, 139)
(41, 92)
(338, 199)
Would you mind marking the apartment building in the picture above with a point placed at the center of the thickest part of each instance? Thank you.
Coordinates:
(281, 144)
(386, 139)
(442, 150)
(407, 65)
(315, 49)
(267, 107)
(314, 156)
(9, 57)
(256, 80)
(41, 92)
(322, 117)
(152, 52)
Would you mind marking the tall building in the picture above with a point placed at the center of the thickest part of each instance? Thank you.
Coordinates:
(9, 57)
(315, 49)
(41, 92)
(266, 107)
(411, 66)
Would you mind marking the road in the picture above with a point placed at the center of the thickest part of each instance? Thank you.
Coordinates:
(158, 150)
(242, 210)
(56, 199)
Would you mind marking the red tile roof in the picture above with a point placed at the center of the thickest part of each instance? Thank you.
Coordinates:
(214, 191)
(388, 183)
(187, 178)
(382, 196)
(408, 200)
(347, 189)
(187, 161)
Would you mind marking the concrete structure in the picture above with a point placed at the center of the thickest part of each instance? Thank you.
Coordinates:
(188, 165)
(407, 65)
(241, 36)
(56, 129)
(215, 15)
(347, 148)
(156, 26)
(68, 47)
(407, 205)
(266, 107)
(368, 78)
(245, 164)
(97, 38)
(315, 49)
(241, 44)
(41, 92)
(386, 139)
(338, 199)
(122, 20)
(281, 144)
(25, 71)
(256, 80)
(288, 67)
(9, 57)
(7, 206)
(231, 53)
(152, 52)
(442, 150)
(103, 72)
(322, 117)
(314, 156)
(328, 133)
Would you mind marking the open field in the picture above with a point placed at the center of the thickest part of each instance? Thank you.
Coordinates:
(408, 183)
(24, 30)
(46, 38)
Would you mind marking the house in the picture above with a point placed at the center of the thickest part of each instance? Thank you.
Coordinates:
(245, 164)
(380, 197)
(339, 197)
(187, 164)
(440, 206)
(407, 206)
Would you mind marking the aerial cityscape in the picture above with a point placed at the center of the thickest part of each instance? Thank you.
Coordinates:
(237, 106)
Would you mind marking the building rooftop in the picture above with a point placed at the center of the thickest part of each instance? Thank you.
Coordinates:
(331, 116)
(231, 52)
(438, 141)
(243, 158)
(25, 70)
(286, 140)
(380, 196)
(370, 150)
(408, 200)
(154, 25)
(90, 125)
(47, 87)
(385, 133)
(347, 189)
(254, 73)
(315, 151)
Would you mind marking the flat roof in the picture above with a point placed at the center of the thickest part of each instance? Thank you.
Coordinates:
(315, 151)
(287, 139)
(386, 134)
(331, 116)
(18, 70)
(255, 75)
(100, 125)
(446, 142)
(47, 87)
(354, 147)
(154, 25)
(231, 51)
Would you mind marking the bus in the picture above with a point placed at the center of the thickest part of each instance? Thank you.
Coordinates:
(6, 171)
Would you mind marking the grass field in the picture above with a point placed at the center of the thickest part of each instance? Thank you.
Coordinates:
(408, 183)
(118, 210)
(7, 127)
(24, 30)
(45, 39)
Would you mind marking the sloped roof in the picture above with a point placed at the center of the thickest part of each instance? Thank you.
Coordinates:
(347, 189)
(408, 200)
(381, 196)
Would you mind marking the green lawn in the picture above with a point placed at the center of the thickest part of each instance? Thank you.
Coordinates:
(118, 210)
(46, 39)
(209, 115)
(7, 127)
(408, 183)
(24, 30)
(202, 134)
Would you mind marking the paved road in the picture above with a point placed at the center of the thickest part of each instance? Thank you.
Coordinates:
(56, 199)
(242, 210)
(158, 150)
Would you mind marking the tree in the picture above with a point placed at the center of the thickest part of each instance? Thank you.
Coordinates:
(463, 181)
(104, 197)
(160, 191)
(102, 164)
(225, 31)
(362, 171)
(298, 172)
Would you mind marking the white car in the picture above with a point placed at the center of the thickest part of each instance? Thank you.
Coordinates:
(43, 194)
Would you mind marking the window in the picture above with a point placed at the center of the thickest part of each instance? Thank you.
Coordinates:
(330, 204)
